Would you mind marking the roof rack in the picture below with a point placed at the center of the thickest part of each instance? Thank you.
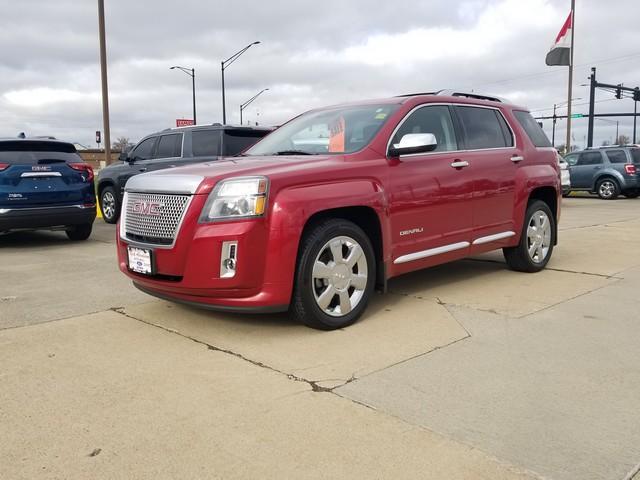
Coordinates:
(454, 93)
(417, 94)
(476, 96)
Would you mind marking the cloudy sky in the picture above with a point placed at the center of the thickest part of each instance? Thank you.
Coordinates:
(312, 53)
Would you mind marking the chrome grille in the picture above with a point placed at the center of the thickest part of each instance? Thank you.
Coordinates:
(153, 217)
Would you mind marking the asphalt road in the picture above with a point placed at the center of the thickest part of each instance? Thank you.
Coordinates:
(467, 370)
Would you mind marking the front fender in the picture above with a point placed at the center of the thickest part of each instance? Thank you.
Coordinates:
(292, 208)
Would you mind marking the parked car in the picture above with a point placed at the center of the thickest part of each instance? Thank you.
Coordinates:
(399, 185)
(44, 184)
(170, 148)
(565, 176)
(606, 171)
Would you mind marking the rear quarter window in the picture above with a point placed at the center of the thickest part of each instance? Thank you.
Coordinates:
(635, 155)
(236, 141)
(205, 143)
(27, 152)
(616, 156)
(532, 129)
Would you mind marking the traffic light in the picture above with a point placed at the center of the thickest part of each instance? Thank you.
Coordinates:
(619, 92)
(636, 94)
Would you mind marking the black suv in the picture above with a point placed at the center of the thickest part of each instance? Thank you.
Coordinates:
(169, 148)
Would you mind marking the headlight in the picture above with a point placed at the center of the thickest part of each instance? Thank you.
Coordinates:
(236, 198)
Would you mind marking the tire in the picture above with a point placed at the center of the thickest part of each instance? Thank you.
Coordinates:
(321, 294)
(80, 232)
(607, 189)
(109, 205)
(519, 257)
(631, 194)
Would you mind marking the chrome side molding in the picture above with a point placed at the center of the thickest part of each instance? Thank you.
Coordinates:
(493, 238)
(431, 252)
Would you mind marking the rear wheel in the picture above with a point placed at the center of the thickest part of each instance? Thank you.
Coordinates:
(80, 232)
(109, 205)
(631, 194)
(608, 189)
(536, 240)
(335, 275)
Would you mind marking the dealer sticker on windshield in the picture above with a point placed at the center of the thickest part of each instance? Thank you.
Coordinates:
(140, 260)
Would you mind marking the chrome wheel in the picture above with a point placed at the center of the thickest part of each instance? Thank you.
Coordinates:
(339, 276)
(108, 204)
(538, 236)
(607, 189)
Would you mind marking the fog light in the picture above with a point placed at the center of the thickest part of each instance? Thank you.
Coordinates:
(228, 259)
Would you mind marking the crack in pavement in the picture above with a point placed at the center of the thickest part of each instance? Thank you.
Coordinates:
(633, 474)
(314, 384)
(602, 275)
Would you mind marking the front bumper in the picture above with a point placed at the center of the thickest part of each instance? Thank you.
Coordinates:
(190, 271)
(46, 217)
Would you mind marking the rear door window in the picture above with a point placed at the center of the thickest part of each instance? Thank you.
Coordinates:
(532, 129)
(144, 150)
(482, 128)
(25, 152)
(169, 146)
(616, 156)
(435, 119)
(589, 158)
(205, 143)
(236, 141)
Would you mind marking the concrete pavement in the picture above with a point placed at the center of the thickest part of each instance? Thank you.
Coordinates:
(466, 370)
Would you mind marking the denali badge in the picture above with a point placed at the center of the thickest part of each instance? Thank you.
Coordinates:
(148, 208)
(411, 232)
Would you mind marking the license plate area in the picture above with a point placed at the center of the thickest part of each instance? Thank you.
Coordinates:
(140, 260)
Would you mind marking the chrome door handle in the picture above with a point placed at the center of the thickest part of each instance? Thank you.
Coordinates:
(460, 164)
(517, 158)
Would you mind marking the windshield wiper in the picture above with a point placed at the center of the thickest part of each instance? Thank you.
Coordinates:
(292, 152)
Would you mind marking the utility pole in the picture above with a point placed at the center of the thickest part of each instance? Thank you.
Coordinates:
(553, 134)
(192, 73)
(246, 104)
(636, 99)
(592, 106)
(105, 87)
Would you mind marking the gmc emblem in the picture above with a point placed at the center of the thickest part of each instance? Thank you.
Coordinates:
(148, 208)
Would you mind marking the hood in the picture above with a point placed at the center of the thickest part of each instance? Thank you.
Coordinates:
(189, 178)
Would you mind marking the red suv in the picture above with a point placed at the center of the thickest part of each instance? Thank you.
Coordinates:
(339, 200)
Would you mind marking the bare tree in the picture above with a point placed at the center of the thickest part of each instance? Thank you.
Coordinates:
(121, 144)
(622, 140)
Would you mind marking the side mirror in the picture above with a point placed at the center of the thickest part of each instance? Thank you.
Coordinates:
(123, 157)
(414, 143)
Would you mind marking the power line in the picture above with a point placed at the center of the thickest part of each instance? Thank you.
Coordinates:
(575, 105)
(555, 71)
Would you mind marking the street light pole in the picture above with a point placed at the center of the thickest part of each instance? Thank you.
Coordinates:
(192, 73)
(224, 64)
(246, 104)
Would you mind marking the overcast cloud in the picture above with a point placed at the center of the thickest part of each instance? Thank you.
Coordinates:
(312, 54)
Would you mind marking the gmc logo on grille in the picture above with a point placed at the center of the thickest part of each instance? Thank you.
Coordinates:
(148, 208)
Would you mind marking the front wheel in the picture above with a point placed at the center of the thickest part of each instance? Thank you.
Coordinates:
(608, 189)
(536, 240)
(335, 275)
(80, 232)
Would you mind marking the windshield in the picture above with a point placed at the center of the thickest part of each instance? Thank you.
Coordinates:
(338, 130)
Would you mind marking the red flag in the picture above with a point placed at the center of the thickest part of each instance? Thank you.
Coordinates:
(560, 53)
